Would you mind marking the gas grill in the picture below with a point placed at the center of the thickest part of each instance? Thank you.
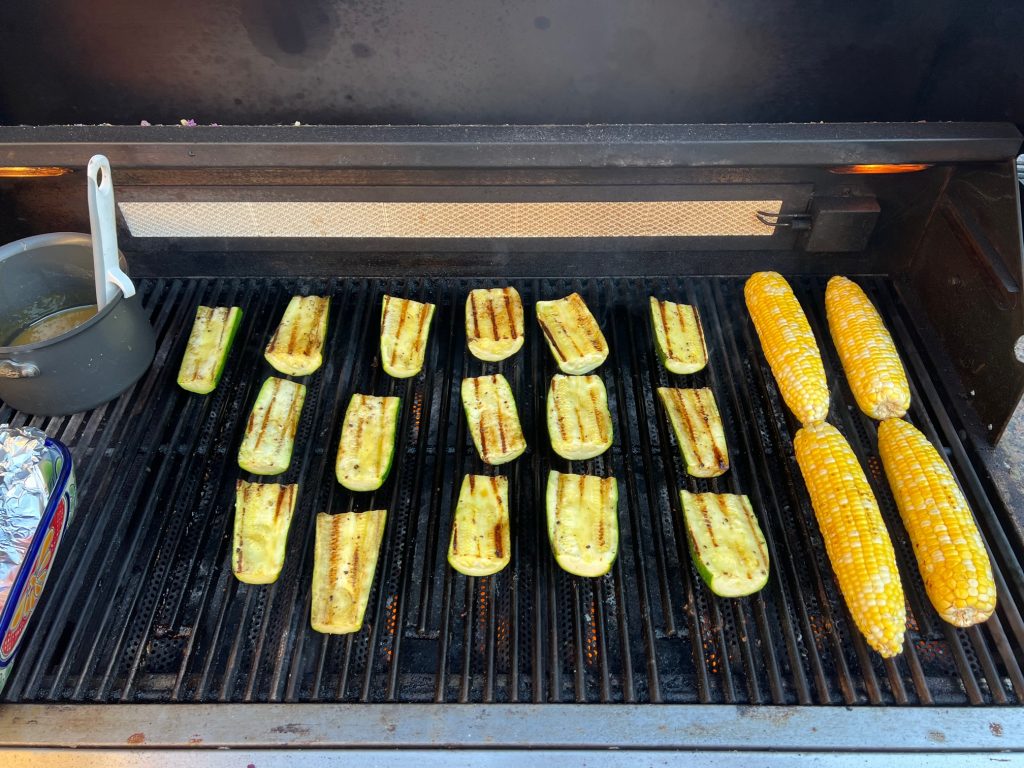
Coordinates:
(144, 639)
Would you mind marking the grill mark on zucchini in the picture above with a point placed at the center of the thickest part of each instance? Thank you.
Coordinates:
(508, 313)
(702, 413)
(500, 410)
(418, 342)
(602, 492)
(402, 313)
(599, 422)
(551, 339)
(665, 328)
(705, 515)
(476, 320)
(495, 331)
(266, 416)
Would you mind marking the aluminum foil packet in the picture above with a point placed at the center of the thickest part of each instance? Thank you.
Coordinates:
(24, 491)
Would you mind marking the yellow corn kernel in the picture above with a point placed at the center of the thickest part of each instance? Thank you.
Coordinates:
(789, 345)
(866, 349)
(950, 553)
(856, 539)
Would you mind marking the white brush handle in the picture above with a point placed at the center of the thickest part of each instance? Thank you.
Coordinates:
(107, 266)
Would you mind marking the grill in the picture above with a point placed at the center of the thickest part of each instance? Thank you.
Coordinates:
(144, 631)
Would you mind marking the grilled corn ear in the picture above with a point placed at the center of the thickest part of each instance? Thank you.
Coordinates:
(481, 542)
(492, 418)
(726, 543)
(270, 432)
(367, 445)
(950, 553)
(494, 323)
(572, 333)
(579, 423)
(583, 522)
(263, 514)
(297, 346)
(693, 414)
(344, 560)
(208, 346)
(866, 349)
(404, 330)
(856, 539)
(789, 345)
(679, 336)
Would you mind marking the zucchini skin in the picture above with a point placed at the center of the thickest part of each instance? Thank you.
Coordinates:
(481, 541)
(202, 368)
(361, 409)
(404, 359)
(297, 346)
(495, 429)
(679, 353)
(345, 555)
(573, 403)
(723, 528)
(586, 548)
(270, 432)
(494, 323)
(573, 334)
(263, 515)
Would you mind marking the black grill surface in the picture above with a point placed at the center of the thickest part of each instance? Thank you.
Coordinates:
(142, 605)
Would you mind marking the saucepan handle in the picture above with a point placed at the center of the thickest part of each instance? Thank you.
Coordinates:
(12, 370)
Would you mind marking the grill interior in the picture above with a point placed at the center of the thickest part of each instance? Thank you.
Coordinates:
(142, 605)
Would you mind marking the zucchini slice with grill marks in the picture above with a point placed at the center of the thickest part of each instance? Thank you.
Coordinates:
(494, 323)
(481, 543)
(367, 446)
(726, 543)
(492, 418)
(583, 522)
(344, 561)
(693, 414)
(579, 424)
(297, 346)
(270, 432)
(572, 333)
(404, 330)
(678, 336)
(208, 346)
(263, 514)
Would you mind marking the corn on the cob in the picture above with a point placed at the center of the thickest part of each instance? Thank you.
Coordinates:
(263, 514)
(856, 539)
(481, 543)
(572, 333)
(678, 336)
(344, 560)
(866, 349)
(789, 345)
(297, 346)
(494, 323)
(492, 418)
(579, 424)
(208, 346)
(404, 330)
(950, 553)
(693, 414)
(270, 432)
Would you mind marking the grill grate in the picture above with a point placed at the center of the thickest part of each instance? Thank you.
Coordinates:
(142, 605)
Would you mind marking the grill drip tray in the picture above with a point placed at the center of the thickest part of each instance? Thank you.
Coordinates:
(142, 606)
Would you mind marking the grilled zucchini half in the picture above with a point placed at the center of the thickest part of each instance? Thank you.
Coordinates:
(693, 414)
(679, 336)
(208, 346)
(404, 330)
(726, 542)
(263, 514)
(367, 445)
(494, 323)
(579, 424)
(583, 522)
(270, 432)
(492, 418)
(344, 560)
(572, 333)
(481, 542)
(297, 346)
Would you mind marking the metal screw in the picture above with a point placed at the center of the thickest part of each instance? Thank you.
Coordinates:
(1018, 350)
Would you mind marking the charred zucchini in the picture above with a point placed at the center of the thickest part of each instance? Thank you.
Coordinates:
(297, 346)
(679, 336)
(344, 561)
(367, 445)
(481, 542)
(726, 542)
(579, 423)
(572, 333)
(263, 514)
(583, 522)
(494, 323)
(693, 414)
(492, 418)
(208, 346)
(404, 329)
(270, 432)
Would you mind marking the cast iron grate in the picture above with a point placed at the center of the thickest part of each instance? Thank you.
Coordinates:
(142, 605)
